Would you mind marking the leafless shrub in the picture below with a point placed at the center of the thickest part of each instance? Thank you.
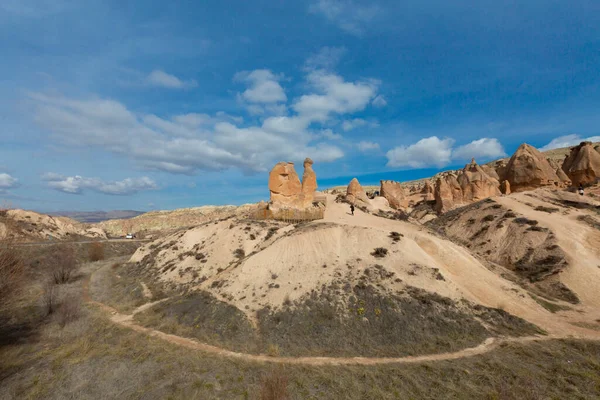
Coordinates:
(274, 386)
(379, 252)
(49, 297)
(11, 270)
(61, 263)
(68, 311)
(96, 251)
(239, 253)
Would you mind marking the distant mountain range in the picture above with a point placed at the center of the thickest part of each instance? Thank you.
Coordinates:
(98, 216)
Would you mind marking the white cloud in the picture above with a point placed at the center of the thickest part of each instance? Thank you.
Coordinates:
(263, 87)
(77, 184)
(329, 134)
(426, 152)
(367, 146)
(485, 149)
(379, 101)
(182, 144)
(348, 125)
(568, 141)
(7, 182)
(335, 96)
(162, 79)
(433, 151)
(188, 143)
(327, 58)
(351, 16)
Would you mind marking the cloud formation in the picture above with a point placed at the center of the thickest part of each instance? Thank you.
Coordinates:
(379, 101)
(187, 143)
(351, 16)
(162, 79)
(7, 182)
(433, 151)
(326, 58)
(77, 184)
(484, 148)
(426, 152)
(334, 96)
(263, 86)
(568, 141)
(365, 146)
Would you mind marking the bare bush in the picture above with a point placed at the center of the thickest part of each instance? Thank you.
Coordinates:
(379, 252)
(68, 311)
(274, 386)
(11, 270)
(96, 251)
(49, 297)
(61, 263)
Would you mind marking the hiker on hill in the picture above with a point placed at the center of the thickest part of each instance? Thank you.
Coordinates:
(352, 208)
(580, 189)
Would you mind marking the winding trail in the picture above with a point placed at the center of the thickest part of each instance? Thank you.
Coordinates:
(127, 321)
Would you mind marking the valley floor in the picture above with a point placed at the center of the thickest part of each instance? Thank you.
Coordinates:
(100, 356)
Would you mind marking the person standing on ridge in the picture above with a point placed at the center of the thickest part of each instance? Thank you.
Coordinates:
(580, 189)
(352, 208)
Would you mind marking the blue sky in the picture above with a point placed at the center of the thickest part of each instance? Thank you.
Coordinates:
(153, 104)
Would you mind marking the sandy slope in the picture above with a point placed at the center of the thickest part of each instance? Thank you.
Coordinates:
(127, 320)
(580, 242)
(26, 225)
(296, 261)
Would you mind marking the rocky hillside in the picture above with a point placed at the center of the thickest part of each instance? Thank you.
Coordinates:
(22, 225)
(498, 267)
(157, 222)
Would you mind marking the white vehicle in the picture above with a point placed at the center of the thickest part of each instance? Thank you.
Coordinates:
(129, 236)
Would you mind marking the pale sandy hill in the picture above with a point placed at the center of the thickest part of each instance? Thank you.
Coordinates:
(164, 221)
(252, 265)
(25, 225)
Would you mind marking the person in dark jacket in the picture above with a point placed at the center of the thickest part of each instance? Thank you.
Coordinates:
(580, 190)
(352, 208)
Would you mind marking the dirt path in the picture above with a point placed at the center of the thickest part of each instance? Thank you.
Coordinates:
(146, 291)
(127, 321)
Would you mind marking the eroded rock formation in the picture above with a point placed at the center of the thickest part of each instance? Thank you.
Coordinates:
(309, 183)
(355, 193)
(470, 185)
(582, 165)
(394, 194)
(427, 191)
(286, 189)
(505, 187)
(529, 169)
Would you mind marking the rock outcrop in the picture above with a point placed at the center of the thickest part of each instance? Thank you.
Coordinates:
(309, 183)
(470, 185)
(582, 165)
(505, 187)
(529, 169)
(427, 191)
(563, 177)
(286, 189)
(355, 193)
(394, 194)
(491, 171)
(284, 185)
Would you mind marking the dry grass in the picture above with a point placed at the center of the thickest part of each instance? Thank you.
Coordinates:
(95, 359)
(11, 271)
(274, 385)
